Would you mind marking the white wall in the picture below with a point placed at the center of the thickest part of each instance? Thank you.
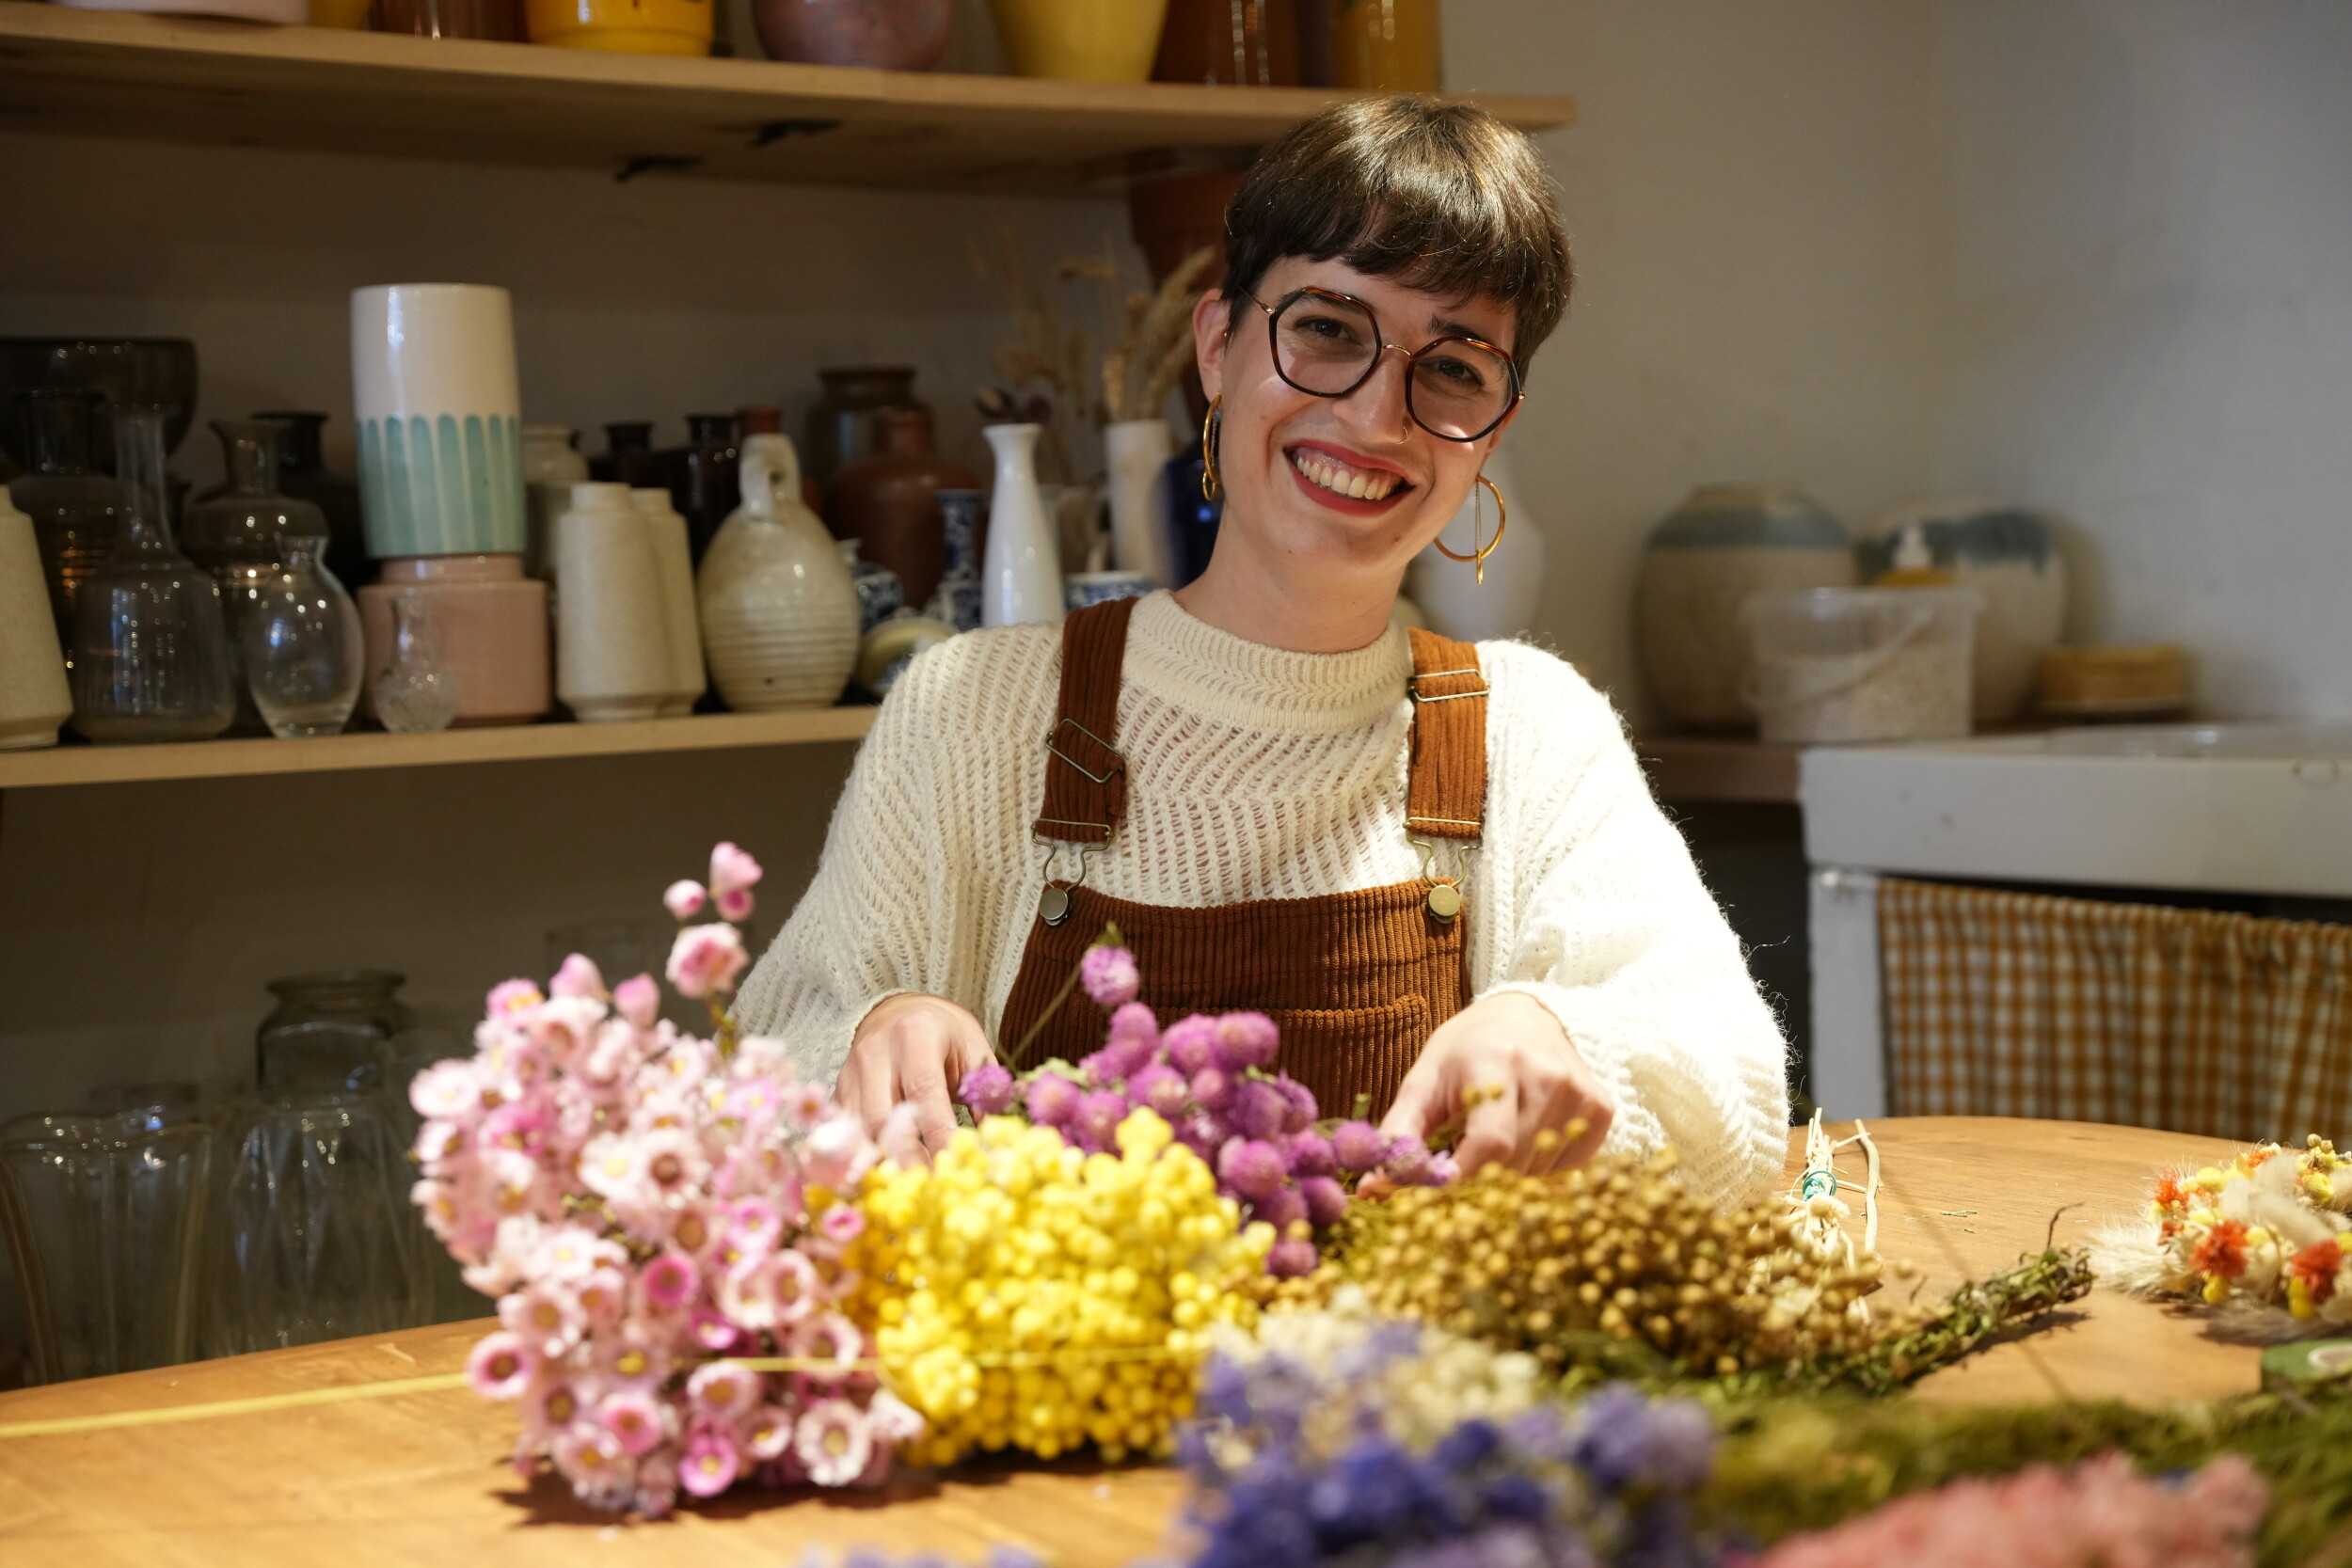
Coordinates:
(2144, 315)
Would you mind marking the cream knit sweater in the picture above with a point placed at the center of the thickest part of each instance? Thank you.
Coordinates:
(1259, 773)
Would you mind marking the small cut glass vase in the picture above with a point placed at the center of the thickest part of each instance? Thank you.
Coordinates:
(304, 651)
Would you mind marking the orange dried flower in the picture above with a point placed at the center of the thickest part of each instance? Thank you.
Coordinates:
(2316, 1266)
(2222, 1254)
(2169, 1190)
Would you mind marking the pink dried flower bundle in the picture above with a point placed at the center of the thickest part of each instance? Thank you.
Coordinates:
(1213, 1080)
(651, 1209)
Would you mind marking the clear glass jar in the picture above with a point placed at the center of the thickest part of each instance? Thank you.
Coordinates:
(150, 648)
(76, 511)
(302, 646)
(330, 1029)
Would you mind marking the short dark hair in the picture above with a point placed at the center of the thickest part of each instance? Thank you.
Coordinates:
(1441, 196)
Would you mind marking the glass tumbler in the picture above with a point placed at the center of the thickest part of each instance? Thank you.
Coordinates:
(317, 1239)
(302, 644)
(104, 1218)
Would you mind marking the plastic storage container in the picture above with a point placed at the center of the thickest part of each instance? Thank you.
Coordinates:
(1850, 664)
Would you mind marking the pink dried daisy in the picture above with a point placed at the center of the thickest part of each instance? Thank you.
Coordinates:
(669, 1283)
(723, 1389)
(770, 1291)
(834, 1442)
(633, 1418)
(712, 1461)
(501, 1365)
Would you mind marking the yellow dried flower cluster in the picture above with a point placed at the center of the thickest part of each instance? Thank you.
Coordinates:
(1025, 1294)
(1616, 1248)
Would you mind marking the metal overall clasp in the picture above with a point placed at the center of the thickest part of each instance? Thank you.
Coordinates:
(1445, 899)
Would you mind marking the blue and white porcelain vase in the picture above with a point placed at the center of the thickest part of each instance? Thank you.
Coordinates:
(957, 599)
(441, 420)
(880, 593)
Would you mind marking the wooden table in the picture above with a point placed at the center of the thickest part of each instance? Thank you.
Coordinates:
(420, 1478)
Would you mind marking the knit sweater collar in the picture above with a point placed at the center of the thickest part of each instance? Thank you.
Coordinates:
(1231, 680)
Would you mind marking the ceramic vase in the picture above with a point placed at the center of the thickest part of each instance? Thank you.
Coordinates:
(611, 644)
(1135, 451)
(440, 422)
(779, 613)
(1700, 563)
(622, 26)
(492, 622)
(880, 593)
(1021, 574)
(957, 599)
(885, 35)
(840, 426)
(1249, 44)
(681, 626)
(1081, 40)
(1386, 45)
(551, 466)
(1458, 605)
(2005, 552)
(889, 501)
(34, 698)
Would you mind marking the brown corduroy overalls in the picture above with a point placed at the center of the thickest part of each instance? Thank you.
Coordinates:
(1356, 981)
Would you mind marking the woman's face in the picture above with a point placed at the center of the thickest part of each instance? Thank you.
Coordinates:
(1348, 484)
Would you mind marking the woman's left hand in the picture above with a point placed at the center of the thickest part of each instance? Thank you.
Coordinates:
(1529, 1077)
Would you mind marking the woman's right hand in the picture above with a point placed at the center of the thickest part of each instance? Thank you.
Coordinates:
(911, 1046)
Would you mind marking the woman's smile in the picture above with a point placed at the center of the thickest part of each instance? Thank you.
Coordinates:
(1346, 481)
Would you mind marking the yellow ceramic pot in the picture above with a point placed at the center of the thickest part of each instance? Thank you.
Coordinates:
(625, 26)
(339, 13)
(1081, 40)
(1386, 46)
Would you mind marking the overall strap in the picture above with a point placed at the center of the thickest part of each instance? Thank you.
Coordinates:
(1086, 779)
(1445, 795)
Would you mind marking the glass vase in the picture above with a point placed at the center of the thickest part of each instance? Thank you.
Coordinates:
(103, 1221)
(317, 1240)
(76, 511)
(303, 473)
(330, 1029)
(302, 646)
(235, 535)
(415, 693)
(151, 649)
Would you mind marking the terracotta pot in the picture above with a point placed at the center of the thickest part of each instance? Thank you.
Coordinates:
(887, 35)
(1081, 40)
(1250, 43)
(890, 502)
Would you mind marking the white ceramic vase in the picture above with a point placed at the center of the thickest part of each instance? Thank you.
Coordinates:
(779, 611)
(1449, 594)
(681, 626)
(612, 646)
(1134, 452)
(34, 698)
(441, 420)
(1020, 575)
(551, 466)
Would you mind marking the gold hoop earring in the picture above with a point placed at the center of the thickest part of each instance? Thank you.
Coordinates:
(1478, 558)
(1211, 428)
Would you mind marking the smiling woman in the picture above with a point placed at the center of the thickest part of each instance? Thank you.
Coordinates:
(1436, 864)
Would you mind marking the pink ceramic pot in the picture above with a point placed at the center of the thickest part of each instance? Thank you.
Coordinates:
(888, 35)
(494, 631)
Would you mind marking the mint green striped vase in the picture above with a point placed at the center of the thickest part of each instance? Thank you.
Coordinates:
(450, 484)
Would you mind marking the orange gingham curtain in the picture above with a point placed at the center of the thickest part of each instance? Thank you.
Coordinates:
(2020, 1004)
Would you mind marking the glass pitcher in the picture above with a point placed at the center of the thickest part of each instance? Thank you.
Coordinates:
(104, 1218)
(302, 644)
(151, 649)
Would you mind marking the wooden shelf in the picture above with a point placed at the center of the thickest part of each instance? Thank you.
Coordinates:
(224, 759)
(1718, 767)
(192, 79)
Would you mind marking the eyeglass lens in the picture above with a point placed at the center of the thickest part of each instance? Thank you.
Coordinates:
(1453, 388)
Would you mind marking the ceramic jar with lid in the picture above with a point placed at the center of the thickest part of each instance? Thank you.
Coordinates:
(2009, 555)
(889, 503)
(779, 613)
(611, 641)
(841, 424)
(34, 697)
(1724, 544)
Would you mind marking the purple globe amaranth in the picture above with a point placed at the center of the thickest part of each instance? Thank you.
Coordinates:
(1357, 1145)
(1109, 976)
(1118, 1061)
(1246, 1040)
(1163, 1088)
(1053, 1100)
(1134, 1021)
(1300, 1100)
(1311, 1155)
(1253, 1169)
(1292, 1258)
(1407, 1163)
(1212, 1087)
(1191, 1043)
(1258, 1108)
(1281, 1208)
(989, 1089)
(1096, 1121)
(1326, 1201)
